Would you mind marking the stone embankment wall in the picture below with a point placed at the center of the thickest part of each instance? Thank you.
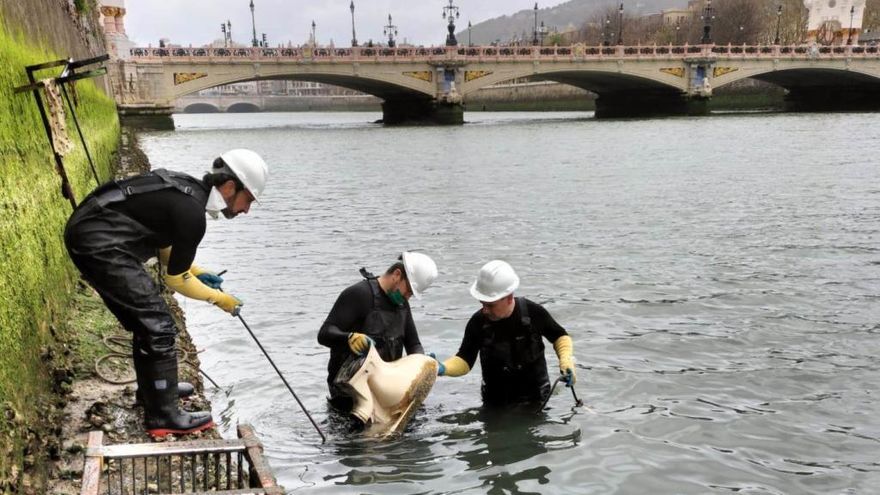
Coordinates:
(36, 276)
(540, 95)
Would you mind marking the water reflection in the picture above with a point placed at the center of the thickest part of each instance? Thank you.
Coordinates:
(499, 440)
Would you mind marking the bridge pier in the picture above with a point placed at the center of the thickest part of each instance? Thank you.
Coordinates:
(625, 105)
(154, 117)
(414, 111)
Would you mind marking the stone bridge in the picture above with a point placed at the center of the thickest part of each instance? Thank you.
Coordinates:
(432, 84)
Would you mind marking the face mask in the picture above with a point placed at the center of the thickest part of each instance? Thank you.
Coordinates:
(216, 203)
(396, 297)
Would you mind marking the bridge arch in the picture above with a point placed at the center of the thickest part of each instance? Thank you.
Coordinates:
(393, 86)
(201, 108)
(242, 107)
(794, 77)
(600, 80)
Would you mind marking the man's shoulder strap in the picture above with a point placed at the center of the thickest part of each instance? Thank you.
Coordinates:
(524, 312)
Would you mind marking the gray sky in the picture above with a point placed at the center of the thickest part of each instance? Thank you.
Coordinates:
(197, 22)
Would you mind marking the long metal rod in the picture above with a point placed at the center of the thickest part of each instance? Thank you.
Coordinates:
(323, 438)
(577, 402)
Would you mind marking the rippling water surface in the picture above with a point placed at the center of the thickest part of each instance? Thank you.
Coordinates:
(719, 276)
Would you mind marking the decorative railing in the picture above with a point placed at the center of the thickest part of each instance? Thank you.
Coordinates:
(493, 53)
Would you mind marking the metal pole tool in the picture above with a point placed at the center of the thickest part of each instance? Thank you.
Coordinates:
(237, 313)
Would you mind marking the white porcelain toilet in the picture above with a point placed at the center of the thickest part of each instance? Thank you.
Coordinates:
(387, 394)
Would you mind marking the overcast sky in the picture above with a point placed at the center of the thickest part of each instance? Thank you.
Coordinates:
(197, 22)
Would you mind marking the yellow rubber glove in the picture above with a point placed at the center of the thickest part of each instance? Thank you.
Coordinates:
(455, 366)
(359, 343)
(565, 352)
(187, 284)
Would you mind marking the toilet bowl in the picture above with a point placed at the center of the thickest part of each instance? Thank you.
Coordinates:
(386, 395)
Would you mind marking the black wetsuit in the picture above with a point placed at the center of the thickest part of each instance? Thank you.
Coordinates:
(511, 353)
(122, 224)
(365, 308)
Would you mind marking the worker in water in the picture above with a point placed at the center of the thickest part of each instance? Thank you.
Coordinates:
(375, 312)
(122, 224)
(507, 334)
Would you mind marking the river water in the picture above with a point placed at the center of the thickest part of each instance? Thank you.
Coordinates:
(720, 277)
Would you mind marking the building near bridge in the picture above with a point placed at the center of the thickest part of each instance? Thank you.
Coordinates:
(112, 18)
(834, 22)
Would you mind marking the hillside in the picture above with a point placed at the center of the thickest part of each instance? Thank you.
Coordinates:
(573, 13)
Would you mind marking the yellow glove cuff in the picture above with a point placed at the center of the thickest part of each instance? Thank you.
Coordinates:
(188, 285)
(165, 256)
(565, 352)
(456, 366)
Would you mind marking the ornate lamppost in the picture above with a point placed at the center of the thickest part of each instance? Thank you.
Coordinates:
(620, 24)
(778, 20)
(229, 30)
(223, 30)
(450, 12)
(708, 16)
(852, 12)
(391, 31)
(354, 40)
(314, 37)
(535, 32)
(469, 34)
(254, 25)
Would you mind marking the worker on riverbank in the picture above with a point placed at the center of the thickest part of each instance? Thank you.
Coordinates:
(507, 334)
(375, 311)
(122, 224)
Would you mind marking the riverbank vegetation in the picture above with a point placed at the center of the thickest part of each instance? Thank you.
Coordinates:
(37, 280)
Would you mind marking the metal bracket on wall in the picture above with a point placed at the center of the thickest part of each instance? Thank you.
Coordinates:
(68, 75)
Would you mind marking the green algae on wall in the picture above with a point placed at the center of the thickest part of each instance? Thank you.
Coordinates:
(36, 276)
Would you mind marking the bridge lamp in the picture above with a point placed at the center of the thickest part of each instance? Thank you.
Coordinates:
(254, 41)
(391, 31)
(708, 16)
(451, 13)
(620, 24)
(469, 34)
(852, 12)
(535, 32)
(778, 20)
(354, 40)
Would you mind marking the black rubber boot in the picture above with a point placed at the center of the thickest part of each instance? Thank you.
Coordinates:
(161, 414)
(184, 389)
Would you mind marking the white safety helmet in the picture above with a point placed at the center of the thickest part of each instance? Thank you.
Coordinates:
(420, 271)
(496, 280)
(249, 168)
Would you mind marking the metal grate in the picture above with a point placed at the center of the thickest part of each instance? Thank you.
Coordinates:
(196, 467)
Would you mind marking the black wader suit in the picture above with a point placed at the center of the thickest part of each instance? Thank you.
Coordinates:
(511, 353)
(365, 308)
(109, 236)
